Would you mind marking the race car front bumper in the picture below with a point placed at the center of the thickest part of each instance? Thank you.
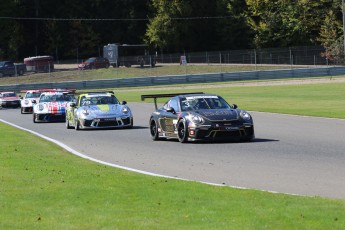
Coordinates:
(50, 117)
(10, 104)
(221, 133)
(106, 122)
(27, 109)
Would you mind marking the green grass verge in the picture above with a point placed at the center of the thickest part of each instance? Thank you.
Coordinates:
(321, 100)
(45, 187)
(113, 73)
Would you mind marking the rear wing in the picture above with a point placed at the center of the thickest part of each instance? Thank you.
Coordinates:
(96, 92)
(155, 96)
(49, 90)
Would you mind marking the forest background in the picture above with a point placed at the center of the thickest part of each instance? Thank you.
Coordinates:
(61, 28)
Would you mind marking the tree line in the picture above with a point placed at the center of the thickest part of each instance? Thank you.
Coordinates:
(61, 28)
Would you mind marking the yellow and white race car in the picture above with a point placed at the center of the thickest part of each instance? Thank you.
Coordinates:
(95, 110)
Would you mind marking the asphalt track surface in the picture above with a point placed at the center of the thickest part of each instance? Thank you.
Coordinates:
(290, 154)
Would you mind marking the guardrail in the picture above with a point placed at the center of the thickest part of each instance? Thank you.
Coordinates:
(183, 79)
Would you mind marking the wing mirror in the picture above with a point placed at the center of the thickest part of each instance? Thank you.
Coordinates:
(234, 106)
(171, 110)
(34, 101)
(72, 104)
(124, 102)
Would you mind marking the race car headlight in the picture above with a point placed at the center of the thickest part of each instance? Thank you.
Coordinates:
(125, 109)
(245, 116)
(26, 102)
(40, 107)
(196, 119)
(85, 112)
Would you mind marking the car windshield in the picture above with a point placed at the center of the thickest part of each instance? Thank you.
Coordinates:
(203, 102)
(33, 94)
(90, 60)
(55, 98)
(98, 100)
(9, 95)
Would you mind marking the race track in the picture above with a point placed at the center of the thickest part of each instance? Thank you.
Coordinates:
(291, 154)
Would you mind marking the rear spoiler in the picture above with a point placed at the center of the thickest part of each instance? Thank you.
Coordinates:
(155, 96)
(95, 92)
(49, 90)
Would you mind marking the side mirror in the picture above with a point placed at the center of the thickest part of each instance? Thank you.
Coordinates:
(34, 101)
(234, 106)
(171, 110)
(124, 102)
(72, 104)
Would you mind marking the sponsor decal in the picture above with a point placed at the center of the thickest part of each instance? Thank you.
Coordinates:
(231, 128)
(104, 108)
(217, 113)
(56, 107)
(197, 97)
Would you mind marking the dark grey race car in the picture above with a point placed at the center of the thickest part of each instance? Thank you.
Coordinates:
(199, 116)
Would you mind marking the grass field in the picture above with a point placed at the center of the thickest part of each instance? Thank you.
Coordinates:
(45, 187)
(67, 74)
(321, 100)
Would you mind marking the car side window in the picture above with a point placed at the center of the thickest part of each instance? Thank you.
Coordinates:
(165, 106)
(174, 105)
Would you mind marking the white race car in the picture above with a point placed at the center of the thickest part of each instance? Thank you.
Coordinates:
(51, 106)
(26, 102)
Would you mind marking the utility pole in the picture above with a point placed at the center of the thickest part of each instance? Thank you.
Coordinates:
(342, 7)
(36, 26)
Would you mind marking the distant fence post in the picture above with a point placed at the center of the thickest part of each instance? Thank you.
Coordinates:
(255, 59)
(15, 71)
(291, 58)
(77, 55)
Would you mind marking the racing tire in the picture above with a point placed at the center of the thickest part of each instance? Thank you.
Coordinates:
(154, 130)
(68, 126)
(34, 118)
(76, 125)
(182, 133)
(130, 125)
(21, 110)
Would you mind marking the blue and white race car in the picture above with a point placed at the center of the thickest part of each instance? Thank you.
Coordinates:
(94, 110)
(51, 106)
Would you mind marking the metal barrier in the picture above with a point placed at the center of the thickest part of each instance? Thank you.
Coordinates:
(183, 79)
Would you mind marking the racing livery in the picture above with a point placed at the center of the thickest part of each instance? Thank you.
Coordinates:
(95, 110)
(199, 116)
(26, 102)
(51, 106)
(9, 99)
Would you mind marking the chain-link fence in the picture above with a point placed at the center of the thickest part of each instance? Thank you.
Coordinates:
(301, 55)
(274, 56)
(213, 62)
